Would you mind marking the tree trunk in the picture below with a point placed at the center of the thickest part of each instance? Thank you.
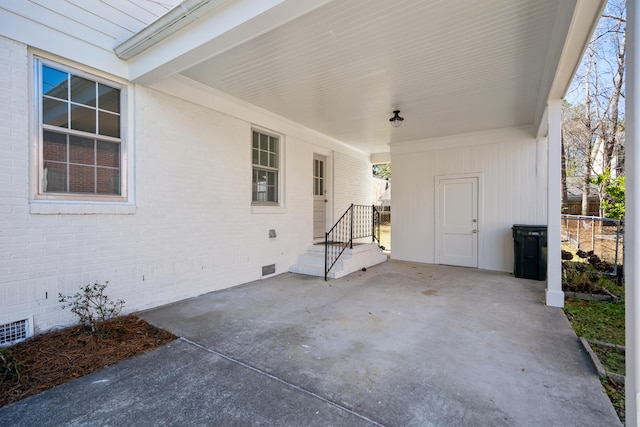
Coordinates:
(586, 187)
(610, 131)
(586, 184)
(563, 172)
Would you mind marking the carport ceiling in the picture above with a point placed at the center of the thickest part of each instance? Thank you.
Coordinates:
(450, 66)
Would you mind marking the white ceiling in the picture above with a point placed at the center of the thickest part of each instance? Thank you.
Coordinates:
(450, 66)
(336, 66)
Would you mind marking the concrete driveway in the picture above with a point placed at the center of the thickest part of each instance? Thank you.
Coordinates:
(399, 344)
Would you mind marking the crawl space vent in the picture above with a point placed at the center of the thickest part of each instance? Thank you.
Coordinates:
(14, 331)
(268, 269)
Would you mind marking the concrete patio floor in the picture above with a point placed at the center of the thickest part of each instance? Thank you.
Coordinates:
(399, 344)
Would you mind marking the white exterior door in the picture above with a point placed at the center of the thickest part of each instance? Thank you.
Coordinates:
(457, 221)
(319, 196)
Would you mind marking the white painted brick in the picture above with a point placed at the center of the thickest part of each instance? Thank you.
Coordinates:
(192, 230)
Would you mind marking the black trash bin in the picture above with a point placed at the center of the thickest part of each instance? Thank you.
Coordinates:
(530, 251)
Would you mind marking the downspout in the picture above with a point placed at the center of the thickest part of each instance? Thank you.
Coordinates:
(168, 24)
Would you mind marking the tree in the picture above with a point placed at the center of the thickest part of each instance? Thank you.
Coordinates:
(593, 128)
(382, 170)
(615, 206)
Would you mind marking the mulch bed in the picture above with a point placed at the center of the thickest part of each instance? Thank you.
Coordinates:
(53, 358)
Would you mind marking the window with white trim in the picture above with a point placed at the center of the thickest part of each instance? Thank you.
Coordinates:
(80, 142)
(265, 152)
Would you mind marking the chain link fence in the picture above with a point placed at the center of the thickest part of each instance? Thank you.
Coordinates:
(599, 236)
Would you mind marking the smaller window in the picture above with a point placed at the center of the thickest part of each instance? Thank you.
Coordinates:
(265, 152)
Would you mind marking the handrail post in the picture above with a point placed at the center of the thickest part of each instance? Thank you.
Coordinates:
(326, 254)
(351, 230)
(373, 223)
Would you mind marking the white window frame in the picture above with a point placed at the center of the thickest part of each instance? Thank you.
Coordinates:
(39, 195)
(269, 206)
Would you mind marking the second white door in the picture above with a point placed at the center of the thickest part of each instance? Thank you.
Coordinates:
(457, 221)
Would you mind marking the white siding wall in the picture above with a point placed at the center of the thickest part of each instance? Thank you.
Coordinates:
(193, 229)
(513, 166)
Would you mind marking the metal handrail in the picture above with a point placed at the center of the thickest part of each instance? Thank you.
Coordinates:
(357, 222)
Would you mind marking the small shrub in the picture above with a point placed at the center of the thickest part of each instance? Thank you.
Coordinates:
(566, 255)
(594, 259)
(9, 366)
(92, 306)
(581, 254)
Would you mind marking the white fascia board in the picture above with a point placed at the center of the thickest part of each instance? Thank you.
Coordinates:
(229, 25)
(177, 18)
(48, 39)
(561, 65)
(585, 19)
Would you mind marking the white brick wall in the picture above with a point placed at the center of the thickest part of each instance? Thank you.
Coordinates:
(192, 230)
(352, 180)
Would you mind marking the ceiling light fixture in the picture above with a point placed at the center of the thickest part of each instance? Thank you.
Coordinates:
(396, 120)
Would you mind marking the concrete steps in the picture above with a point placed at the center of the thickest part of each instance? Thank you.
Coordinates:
(362, 255)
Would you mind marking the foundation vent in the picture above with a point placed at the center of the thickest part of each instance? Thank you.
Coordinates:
(268, 269)
(14, 332)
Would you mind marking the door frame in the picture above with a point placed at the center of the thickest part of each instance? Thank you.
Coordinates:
(437, 179)
(328, 170)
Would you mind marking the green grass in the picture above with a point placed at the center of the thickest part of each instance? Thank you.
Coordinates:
(603, 321)
(597, 320)
(615, 392)
(612, 359)
(385, 236)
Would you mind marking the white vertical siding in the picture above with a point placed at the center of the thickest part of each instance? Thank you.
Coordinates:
(509, 162)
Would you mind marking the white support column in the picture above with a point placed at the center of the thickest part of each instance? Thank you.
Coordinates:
(632, 217)
(555, 296)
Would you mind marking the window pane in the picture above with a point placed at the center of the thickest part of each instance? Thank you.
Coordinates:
(83, 91)
(108, 154)
(108, 98)
(54, 147)
(81, 179)
(54, 82)
(83, 118)
(81, 150)
(55, 113)
(108, 181)
(109, 124)
(259, 186)
(321, 185)
(55, 177)
(264, 154)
